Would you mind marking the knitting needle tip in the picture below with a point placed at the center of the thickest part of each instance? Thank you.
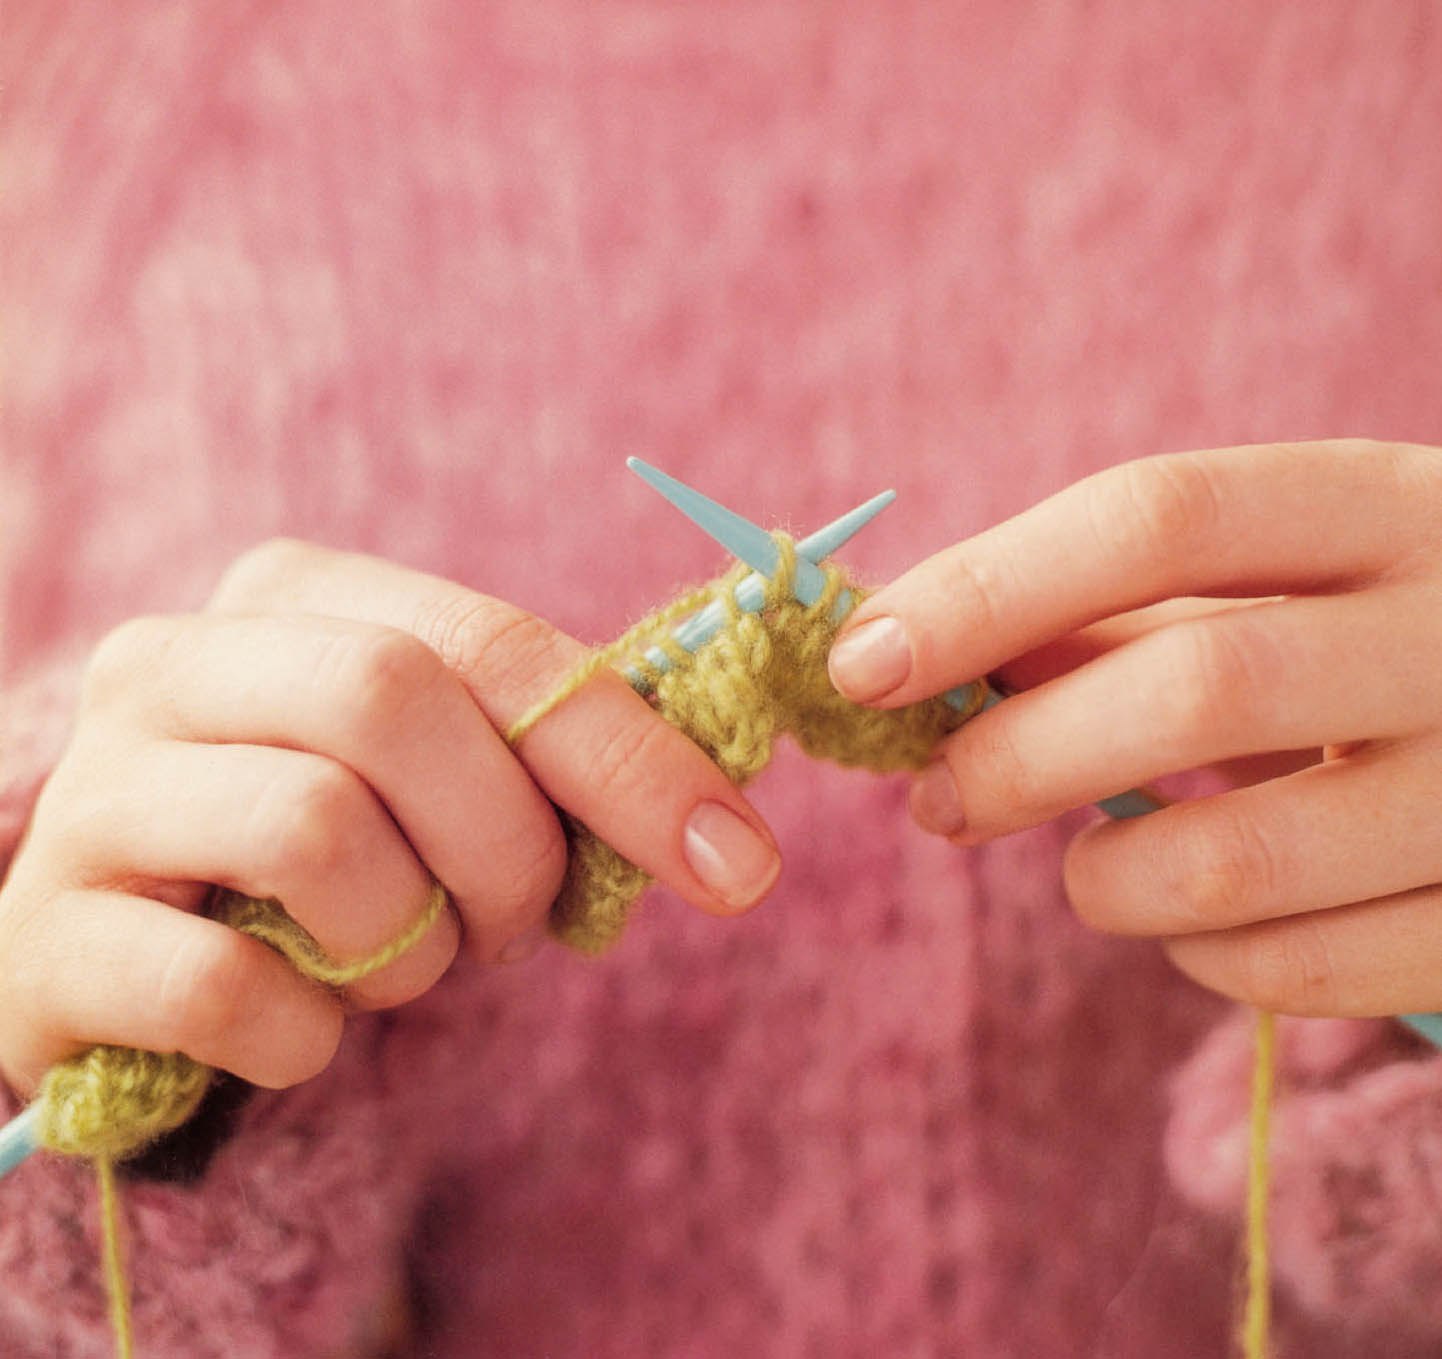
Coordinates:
(740, 537)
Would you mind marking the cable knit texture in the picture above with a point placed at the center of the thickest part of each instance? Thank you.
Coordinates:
(413, 278)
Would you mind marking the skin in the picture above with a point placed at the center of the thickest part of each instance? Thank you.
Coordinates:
(327, 732)
(1273, 611)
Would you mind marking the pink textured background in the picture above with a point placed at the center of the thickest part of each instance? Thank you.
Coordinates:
(414, 278)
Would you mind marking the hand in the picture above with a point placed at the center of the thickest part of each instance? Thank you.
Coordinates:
(326, 733)
(1194, 610)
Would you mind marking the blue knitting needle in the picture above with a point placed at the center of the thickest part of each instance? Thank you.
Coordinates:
(753, 545)
(17, 1139)
(745, 540)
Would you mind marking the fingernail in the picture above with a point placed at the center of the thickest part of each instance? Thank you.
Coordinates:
(734, 860)
(525, 945)
(934, 803)
(872, 661)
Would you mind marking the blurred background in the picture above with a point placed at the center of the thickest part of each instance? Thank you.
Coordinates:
(963, 248)
(414, 277)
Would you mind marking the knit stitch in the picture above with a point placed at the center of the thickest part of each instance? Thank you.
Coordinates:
(763, 675)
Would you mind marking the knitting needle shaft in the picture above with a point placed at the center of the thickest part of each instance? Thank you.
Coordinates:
(17, 1140)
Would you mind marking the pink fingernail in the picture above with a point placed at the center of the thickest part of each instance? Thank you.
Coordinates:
(934, 803)
(872, 661)
(732, 858)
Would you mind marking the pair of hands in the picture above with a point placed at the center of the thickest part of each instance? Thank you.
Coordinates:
(326, 732)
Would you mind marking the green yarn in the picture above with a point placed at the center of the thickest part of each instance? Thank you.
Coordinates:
(762, 676)
(268, 922)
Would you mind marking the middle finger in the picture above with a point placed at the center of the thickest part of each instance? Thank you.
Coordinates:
(1280, 675)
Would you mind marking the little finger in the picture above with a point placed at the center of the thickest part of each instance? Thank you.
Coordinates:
(134, 973)
(1380, 957)
(268, 822)
(1349, 830)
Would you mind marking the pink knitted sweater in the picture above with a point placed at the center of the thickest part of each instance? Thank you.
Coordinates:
(413, 277)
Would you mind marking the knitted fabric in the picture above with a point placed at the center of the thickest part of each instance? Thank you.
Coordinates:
(763, 675)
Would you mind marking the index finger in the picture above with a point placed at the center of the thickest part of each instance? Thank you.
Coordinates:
(1263, 520)
(604, 755)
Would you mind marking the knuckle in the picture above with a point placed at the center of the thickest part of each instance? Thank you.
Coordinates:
(122, 654)
(374, 676)
(1416, 473)
(487, 641)
(308, 823)
(260, 572)
(517, 900)
(1218, 876)
(995, 768)
(1086, 880)
(460, 628)
(78, 820)
(974, 594)
(1210, 663)
(1164, 506)
(27, 938)
(544, 859)
(1287, 966)
(205, 991)
(630, 750)
(547, 872)
(309, 1052)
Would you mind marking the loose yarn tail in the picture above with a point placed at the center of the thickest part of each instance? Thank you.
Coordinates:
(116, 1290)
(1256, 1318)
